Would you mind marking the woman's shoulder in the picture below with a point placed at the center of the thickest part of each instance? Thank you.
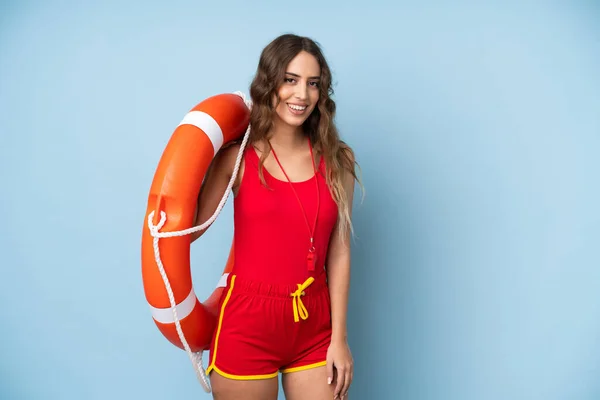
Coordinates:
(226, 158)
(228, 153)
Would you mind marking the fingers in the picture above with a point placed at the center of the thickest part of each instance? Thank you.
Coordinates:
(347, 382)
(329, 372)
(339, 382)
(345, 374)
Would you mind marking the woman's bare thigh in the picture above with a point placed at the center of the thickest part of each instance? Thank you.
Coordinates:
(310, 384)
(233, 389)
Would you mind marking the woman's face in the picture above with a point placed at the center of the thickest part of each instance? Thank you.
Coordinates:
(299, 92)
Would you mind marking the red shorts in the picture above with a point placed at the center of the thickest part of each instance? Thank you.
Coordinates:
(265, 328)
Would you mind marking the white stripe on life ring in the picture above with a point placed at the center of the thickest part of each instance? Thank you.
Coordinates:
(208, 125)
(223, 281)
(185, 308)
(165, 315)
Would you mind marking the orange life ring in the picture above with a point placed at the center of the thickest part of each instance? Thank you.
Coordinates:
(173, 196)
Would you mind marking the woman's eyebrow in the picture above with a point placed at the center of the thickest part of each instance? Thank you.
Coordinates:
(298, 76)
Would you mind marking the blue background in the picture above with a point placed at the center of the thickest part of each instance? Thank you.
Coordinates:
(475, 268)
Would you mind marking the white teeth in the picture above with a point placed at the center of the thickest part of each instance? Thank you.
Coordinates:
(297, 108)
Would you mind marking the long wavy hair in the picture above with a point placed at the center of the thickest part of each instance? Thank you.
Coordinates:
(319, 126)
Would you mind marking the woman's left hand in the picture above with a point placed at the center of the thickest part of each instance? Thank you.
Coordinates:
(340, 358)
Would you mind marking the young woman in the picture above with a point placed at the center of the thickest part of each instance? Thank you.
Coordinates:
(285, 304)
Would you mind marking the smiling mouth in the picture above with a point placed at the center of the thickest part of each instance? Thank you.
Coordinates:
(295, 109)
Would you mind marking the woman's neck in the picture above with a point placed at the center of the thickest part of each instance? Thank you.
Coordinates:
(287, 137)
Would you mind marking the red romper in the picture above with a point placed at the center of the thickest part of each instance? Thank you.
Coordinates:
(275, 314)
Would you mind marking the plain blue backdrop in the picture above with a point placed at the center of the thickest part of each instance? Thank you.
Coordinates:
(476, 263)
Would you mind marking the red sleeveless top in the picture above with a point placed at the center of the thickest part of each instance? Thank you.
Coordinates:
(270, 233)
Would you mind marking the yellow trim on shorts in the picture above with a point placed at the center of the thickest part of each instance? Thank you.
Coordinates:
(243, 377)
(304, 367)
(214, 356)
